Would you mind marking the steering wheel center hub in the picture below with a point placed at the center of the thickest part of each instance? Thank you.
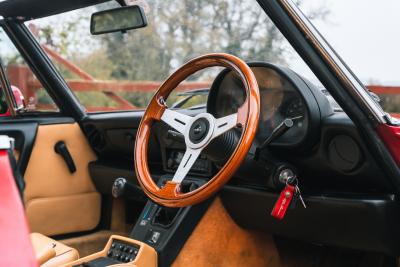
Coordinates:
(199, 129)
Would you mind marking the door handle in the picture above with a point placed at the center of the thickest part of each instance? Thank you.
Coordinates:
(61, 149)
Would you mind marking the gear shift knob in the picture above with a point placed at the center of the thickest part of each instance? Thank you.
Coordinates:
(118, 187)
(124, 188)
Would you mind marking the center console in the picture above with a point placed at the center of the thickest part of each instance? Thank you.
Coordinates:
(122, 251)
(157, 237)
(167, 229)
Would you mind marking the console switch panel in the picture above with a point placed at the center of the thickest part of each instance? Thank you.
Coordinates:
(123, 252)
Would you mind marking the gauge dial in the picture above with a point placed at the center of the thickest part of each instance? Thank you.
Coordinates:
(271, 92)
(231, 95)
(279, 99)
(295, 108)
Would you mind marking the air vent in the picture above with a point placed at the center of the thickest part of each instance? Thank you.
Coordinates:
(344, 153)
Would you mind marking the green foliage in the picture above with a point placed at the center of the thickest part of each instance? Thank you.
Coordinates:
(98, 63)
(181, 30)
(138, 99)
(390, 103)
(95, 99)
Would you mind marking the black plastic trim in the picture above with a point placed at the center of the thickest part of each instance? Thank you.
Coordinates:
(40, 119)
(28, 9)
(363, 222)
(171, 239)
(24, 135)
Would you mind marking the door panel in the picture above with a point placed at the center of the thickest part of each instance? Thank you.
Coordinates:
(57, 201)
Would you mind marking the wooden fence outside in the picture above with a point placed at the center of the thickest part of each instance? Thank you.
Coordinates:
(22, 77)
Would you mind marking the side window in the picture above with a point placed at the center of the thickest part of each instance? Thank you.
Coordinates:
(25, 86)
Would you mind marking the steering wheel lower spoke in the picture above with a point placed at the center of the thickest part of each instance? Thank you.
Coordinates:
(176, 120)
(224, 124)
(188, 159)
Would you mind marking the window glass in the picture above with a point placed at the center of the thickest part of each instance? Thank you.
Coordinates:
(121, 71)
(365, 35)
(25, 86)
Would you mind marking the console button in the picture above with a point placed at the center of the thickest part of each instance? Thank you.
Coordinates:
(154, 237)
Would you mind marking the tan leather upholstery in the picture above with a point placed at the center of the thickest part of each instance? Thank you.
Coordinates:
(56, 201)
(64, 214)
(51, 253)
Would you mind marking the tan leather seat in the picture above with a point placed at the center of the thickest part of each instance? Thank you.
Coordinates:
(51, 253)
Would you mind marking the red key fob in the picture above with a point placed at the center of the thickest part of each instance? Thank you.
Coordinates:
(283, 202)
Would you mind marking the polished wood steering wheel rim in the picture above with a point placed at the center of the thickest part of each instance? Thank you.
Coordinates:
(246, 118)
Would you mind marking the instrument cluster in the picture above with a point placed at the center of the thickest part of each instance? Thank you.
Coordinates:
(283, 95)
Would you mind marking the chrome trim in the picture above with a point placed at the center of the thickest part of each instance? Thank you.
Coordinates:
(357, 89)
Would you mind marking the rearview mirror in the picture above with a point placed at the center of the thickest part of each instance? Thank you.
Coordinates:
(118, 19)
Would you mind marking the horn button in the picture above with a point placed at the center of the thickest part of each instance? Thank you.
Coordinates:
(199, 130)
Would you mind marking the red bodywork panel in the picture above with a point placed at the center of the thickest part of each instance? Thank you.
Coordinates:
(391, 136)
(15, 244)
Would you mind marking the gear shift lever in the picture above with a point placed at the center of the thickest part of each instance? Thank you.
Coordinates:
(122, 188)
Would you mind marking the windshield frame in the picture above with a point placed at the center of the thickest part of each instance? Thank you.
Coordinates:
(345, 75)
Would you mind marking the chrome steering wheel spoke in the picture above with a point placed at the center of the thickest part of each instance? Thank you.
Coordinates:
(176, 120)
(224, 124)
(188, 159)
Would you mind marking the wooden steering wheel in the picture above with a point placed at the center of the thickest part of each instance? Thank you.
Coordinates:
(198, 132)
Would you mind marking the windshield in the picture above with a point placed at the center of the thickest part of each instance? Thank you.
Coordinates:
(365, 35)
(121, 71)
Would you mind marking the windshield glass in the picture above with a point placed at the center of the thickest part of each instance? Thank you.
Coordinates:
(121, 71)
(365, 35)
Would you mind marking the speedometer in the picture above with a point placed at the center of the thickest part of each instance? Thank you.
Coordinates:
(295, 109)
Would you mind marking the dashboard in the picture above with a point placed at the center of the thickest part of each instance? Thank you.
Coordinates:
(324, 146)
(339, 177)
